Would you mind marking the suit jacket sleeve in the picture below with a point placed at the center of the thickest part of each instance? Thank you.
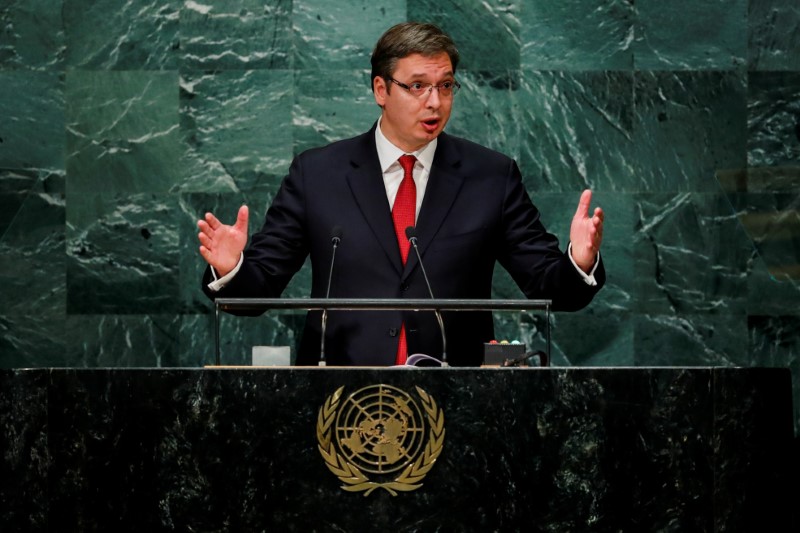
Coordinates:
(532, 256)
(275, 253)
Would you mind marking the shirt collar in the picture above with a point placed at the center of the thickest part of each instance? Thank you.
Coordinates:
(388, 153)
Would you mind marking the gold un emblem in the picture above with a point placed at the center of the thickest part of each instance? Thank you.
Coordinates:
(379, 438)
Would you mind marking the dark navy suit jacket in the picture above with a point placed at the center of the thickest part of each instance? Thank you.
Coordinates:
(475, 213)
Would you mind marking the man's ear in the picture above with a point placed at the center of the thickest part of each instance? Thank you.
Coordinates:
(379, 89)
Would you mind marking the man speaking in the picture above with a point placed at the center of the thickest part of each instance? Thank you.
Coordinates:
(466, 203)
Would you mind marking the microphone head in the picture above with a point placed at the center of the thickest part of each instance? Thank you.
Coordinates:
(411, 232)
(336, 234)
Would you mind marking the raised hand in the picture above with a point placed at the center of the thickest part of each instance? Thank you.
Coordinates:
(221, 245)
(586, 233)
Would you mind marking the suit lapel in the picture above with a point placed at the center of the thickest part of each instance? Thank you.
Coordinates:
(366, 183)
(444, 183)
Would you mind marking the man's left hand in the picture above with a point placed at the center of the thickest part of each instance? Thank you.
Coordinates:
(586, 233)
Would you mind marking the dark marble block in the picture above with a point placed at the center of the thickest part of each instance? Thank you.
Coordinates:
(24, 451)
(646, 449)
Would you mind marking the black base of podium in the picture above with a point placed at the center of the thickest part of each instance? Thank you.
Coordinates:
(701, 449)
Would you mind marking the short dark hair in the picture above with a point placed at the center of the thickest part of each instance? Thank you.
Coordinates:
(406, 38)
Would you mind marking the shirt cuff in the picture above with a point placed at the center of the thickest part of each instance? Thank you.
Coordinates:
(219, 283)
(587, 278)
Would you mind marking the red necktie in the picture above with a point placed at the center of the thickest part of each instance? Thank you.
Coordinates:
(403, 213)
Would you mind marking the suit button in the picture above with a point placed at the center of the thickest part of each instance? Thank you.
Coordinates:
(404, 287)
(393, 332)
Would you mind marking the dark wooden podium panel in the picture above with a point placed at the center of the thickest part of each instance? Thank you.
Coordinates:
(561, 449)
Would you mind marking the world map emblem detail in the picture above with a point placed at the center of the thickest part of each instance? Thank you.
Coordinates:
(379, 437)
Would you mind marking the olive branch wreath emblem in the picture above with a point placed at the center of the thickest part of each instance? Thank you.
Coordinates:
(410, 478)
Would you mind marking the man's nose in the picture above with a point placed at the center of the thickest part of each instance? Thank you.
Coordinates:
(433, 98)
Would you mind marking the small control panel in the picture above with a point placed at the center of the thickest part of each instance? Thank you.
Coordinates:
(496, 353)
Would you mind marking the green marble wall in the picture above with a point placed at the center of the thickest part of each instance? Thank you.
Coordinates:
(121, 123)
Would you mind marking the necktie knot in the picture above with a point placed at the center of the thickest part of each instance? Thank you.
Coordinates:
(407, 162)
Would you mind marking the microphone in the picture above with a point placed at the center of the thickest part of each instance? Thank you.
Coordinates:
(411, 235)
(336, 238)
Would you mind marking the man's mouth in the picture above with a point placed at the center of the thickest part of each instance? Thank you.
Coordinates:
(430, 124)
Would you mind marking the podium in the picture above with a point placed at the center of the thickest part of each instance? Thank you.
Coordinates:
(536, 449)
(435, 305)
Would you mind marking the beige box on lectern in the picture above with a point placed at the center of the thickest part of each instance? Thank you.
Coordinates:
(272, 355)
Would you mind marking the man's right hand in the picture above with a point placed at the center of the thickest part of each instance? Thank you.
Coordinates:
(222, 245)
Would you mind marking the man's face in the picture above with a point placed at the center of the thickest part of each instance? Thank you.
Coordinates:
(410, 122)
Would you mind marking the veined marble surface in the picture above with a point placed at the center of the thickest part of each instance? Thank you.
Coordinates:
(122, 123)
(565, 449)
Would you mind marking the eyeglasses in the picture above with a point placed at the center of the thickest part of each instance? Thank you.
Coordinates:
(418, 89)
